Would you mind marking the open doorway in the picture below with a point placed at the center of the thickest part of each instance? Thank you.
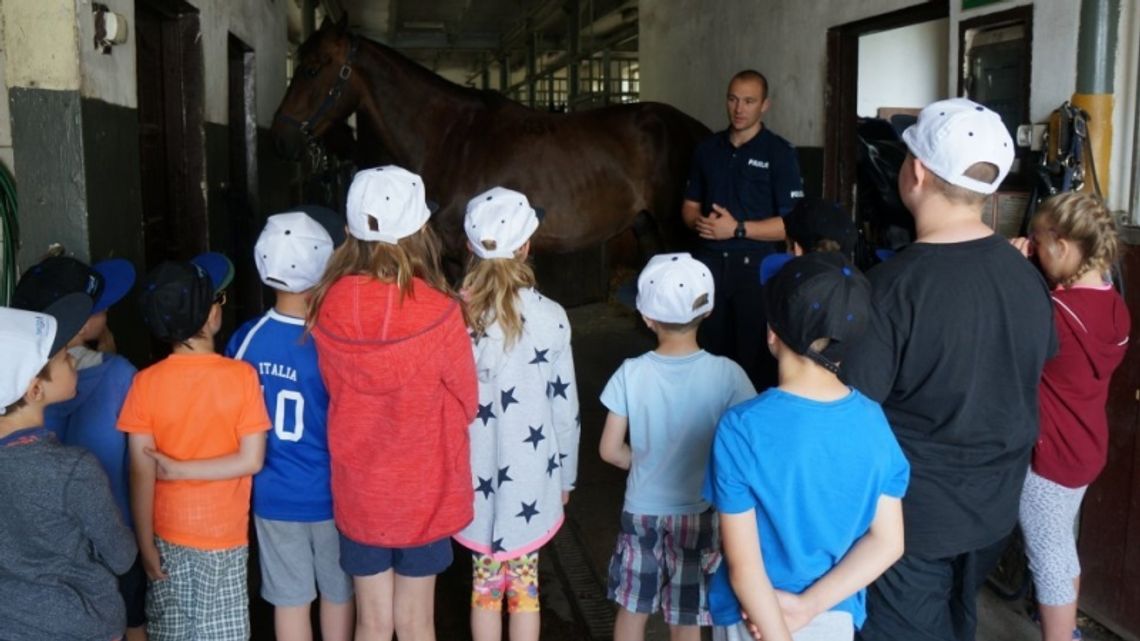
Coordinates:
(171, 136)
(242, 219)
(880, 72)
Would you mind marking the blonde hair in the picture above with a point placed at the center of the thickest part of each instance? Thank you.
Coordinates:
(416, 256)
(1084, 220)
(491, 287)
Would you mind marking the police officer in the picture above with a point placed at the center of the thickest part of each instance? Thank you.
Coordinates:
(742, 180)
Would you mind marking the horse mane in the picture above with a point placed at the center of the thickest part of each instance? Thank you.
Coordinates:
(484, 97)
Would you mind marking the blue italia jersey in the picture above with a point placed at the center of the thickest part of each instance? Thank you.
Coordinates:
(293, 485)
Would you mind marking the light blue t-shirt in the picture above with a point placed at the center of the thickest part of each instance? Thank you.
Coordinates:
(294, 482)
(814, 472)
(672, 404)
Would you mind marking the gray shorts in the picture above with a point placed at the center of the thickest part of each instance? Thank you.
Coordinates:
(297, 560)
(832, 625)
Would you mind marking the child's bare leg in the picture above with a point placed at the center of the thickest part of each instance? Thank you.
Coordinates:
(684, 633)
(525, 626)
(136, 634)
(630, 626)
(415, 608)
(337, 620)
(375, 602)
(1059, 621)
(487, 625)
(292, 623)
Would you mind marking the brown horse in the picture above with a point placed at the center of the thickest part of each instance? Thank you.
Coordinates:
(595, 172)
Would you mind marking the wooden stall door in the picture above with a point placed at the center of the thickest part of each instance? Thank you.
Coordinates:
(1110, 519)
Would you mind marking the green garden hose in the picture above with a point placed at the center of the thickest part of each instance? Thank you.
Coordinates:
(9, 234)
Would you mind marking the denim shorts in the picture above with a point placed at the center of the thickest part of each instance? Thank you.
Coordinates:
(429, 559)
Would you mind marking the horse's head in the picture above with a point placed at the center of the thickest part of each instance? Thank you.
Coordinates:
(322, 91)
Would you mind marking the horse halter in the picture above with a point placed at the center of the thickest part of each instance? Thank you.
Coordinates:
(306, 125)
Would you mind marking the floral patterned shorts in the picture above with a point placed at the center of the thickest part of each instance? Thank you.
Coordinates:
(516, 579)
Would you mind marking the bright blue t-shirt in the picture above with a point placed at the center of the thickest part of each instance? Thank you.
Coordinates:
(293, 484)
(672, 404)
(89, 421)
(814, 472)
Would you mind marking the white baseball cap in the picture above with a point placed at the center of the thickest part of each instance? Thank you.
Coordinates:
(674, 288)
(952, 135)
(498, 222)
(292, 251)
(386, 204)
(28, 340)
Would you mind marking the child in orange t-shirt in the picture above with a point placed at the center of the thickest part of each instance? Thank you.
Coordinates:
(197, 425)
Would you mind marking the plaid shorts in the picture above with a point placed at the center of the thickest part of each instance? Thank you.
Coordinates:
(202, 597)
(664, 563)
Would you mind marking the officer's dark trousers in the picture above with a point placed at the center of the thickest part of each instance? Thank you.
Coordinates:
(737, 327)
(921, 599)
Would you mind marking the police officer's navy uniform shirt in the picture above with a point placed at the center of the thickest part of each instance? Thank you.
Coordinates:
(757, 180)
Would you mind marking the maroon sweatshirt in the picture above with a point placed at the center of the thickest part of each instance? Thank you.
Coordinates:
(1092, 328)
(402, 392)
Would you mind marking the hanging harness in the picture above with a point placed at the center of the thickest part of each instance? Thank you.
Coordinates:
(1062, 166)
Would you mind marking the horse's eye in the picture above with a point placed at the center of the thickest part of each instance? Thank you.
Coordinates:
(311, 70)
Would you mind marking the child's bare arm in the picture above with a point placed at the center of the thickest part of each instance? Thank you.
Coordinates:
(245, 462)
(871, 555)
(613, 448)
(142, 503)
(748, 577)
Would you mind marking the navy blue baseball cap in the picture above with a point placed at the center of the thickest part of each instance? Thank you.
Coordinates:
(106, 282)
(175, 298)
(818, 295)
(812, 220)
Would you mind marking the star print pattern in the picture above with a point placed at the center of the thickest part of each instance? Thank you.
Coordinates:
(535, 437)
(506, 398)
(503, 476)
(558, 388)
(485, 487)
(524, 437)
(528, 511)
(484, 414)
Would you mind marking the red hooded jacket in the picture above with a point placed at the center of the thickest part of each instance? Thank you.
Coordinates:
(402, 392)
(1092, 330)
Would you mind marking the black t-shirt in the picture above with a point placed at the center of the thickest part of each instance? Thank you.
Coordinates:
(958, 336)
(757, 180)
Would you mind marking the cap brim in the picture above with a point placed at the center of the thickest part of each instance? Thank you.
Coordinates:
(772, 264)
(627, 293)
(332, 222)
(70, 313)
(218, 267)
(118, 279)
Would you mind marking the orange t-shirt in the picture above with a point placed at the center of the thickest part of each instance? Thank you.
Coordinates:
(198, 406)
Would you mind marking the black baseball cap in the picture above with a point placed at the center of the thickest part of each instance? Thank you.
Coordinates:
(175, 297)
(812, 220)
(818, 295)
(106, 282)
(331, 221)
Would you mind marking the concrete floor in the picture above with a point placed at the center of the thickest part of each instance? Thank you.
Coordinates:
(573, 566)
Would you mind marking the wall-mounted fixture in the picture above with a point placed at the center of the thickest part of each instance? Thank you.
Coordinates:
(110, 28)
